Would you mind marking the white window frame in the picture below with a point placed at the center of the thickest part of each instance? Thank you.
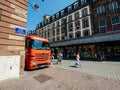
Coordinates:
(75, 5)
(62, 12)
(69, 8)
(57, 15)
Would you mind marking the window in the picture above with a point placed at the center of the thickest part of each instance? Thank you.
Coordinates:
(102, 26)
(83, 2)
(69, 8)
(53, 32)
(53, 17)
(116, 23)
(63, 30)
(77, 34)
(63, 37)
(58, 38)
(63, 21)
(85, 23)
(84, 12)
(49, 26)
(76, 15)
(53, 39)
(57, 15)
(57, 24)
(71, 36)
(113, 5)
(58, 31)
(70, 27)
(62, 13)
(76, 5)
(100, 9)
(77, 25)
(70, 18)
(53, 25)
(86, 32)
(48, 20)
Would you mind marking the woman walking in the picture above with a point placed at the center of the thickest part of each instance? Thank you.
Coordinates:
(78, 63)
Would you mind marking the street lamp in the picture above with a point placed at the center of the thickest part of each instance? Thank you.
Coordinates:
(35, 6)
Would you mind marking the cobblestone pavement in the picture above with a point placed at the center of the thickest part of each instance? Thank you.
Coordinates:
(93, 76)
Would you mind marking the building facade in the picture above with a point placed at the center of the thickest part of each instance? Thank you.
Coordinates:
(85, 26)
(13, 14)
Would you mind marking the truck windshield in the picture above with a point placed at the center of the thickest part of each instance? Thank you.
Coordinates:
(37, 44)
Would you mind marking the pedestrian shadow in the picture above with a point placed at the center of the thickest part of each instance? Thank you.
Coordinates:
(73, 66)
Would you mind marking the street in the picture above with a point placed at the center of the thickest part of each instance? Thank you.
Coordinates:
(93, 76)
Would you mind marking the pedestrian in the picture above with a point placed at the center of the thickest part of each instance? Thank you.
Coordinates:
(78, 63)
(101, 55)
(59, 56)
(52, 57)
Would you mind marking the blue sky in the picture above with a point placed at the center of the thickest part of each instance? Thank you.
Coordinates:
(49, 7)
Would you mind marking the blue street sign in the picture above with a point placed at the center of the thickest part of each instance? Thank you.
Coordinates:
(20, 31)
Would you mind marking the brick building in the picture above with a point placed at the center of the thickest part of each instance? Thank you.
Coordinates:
(106, 23)
(13, 14)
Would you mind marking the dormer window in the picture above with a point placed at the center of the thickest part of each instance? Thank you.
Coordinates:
(48, 20)
(62, 12)
(83, 2)
(57, 15)
(76, 5)
(53, 17)
(69, 8)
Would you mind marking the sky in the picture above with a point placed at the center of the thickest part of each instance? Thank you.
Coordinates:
(49, 7)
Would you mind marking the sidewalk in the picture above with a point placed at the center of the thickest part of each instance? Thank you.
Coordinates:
(106, 69)
(93, 76)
